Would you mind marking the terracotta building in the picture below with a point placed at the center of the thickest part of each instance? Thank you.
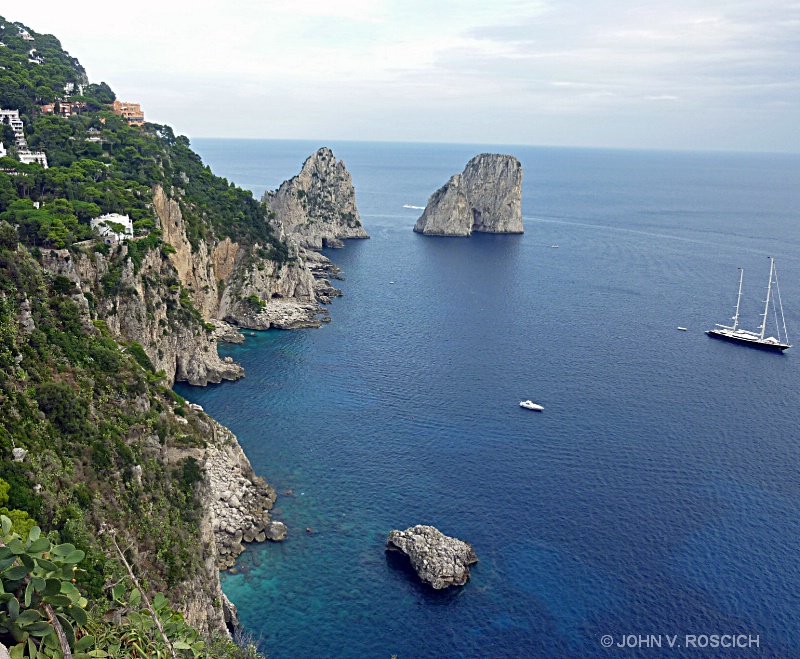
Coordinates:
(65, 109)
(132, 112)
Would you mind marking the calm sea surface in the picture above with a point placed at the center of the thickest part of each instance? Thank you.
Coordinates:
(658, 493)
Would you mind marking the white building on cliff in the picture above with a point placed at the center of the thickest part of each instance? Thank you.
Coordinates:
(26, 156)
(112, 227)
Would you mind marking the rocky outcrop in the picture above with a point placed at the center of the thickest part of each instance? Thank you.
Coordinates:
(238, 501)
(438, 559)
(486, 197)
(317, 208)
(235, 504)
(232, 283)
(262, 295)
(172, 299)
(145, 306)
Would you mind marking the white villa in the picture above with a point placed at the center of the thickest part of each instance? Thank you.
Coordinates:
(25, 155)
(28, 157)
(110, 233)
(11, 117)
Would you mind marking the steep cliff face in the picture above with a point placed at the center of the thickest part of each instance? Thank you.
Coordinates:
(170, 482)
(230, 282)
(317, 208)
(168, 300)
(264, 295)
(235, 504)
(486, 197)
(147, 306)
(196, 269)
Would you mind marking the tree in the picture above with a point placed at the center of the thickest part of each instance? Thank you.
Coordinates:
(8, 236)
(8, 192)
(100, 92)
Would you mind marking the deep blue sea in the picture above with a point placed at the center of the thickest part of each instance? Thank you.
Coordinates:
(658, 493)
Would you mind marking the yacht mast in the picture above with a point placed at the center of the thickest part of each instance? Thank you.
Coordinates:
(780, 304)
(738, 301)
(769, 292)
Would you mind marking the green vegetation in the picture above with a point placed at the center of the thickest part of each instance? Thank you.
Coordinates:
(99, 164)
(87, 413)
(255, 302)
(93, 415)
(43, 613)
(22, 84)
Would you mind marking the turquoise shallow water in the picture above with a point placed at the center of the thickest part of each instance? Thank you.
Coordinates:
(657, 494)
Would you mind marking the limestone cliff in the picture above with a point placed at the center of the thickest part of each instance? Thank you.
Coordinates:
(196, 269)
(486, 197)
(172, 299)
(317, 208)
(235, 283)
(146, 306)
(155, 430)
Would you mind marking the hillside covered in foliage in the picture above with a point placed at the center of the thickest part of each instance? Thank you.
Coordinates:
(101, 544)
(99, 164)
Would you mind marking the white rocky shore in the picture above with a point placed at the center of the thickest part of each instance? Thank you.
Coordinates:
(236, 502)
(439, 560)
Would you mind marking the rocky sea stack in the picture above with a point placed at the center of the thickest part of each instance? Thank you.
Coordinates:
(438, 559)
(317, 208)
(486, 196)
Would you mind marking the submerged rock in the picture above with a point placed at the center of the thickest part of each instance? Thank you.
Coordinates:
(486, 197)
(439, 560)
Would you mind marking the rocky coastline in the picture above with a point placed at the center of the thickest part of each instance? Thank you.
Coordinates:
(176, 303)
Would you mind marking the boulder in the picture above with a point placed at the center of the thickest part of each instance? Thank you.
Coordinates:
(439, 560)
(275, 531)
(486, 197)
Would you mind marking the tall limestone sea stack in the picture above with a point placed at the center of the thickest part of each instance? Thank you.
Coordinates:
(317, 208)
(486, 196)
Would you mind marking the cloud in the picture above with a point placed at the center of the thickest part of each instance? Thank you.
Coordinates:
(474, 70)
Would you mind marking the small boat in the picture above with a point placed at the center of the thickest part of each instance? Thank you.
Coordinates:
(757, 339)
(418, 208)
(682, 329)
(530, 405)
(554, 246)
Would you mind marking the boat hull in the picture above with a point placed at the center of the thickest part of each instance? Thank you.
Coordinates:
(752, 343)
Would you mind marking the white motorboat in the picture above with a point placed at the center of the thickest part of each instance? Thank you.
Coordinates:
(530, 405)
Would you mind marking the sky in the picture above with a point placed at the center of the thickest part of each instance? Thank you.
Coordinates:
(665, 74)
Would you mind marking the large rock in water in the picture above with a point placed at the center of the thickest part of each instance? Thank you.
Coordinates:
(486, 196)
(438, 559)
(317, 208)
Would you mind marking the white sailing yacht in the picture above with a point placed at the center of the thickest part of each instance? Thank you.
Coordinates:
(757, 339)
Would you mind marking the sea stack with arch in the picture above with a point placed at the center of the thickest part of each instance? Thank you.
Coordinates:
(316, 208)
(485, 197)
